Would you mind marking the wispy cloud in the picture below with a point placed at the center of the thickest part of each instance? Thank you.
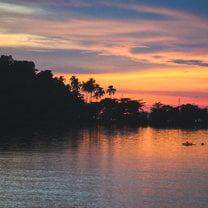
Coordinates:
(175, 93)
(190, 62)
(46, 3)
(177, 15)
(18, 9)
(35, 41)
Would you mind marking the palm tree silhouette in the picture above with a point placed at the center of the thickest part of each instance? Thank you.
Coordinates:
(111, 91)
(75, 85)
(89, 88)
(99, 91)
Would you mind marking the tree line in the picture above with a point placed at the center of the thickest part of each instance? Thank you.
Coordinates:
(90, 88)
(186, 115)
(33, 96)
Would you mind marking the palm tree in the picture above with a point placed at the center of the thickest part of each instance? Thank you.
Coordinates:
(75, 85)
(89, 88)
(99, 92)
(111, 91)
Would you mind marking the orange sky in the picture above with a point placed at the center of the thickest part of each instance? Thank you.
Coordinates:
(155, 86)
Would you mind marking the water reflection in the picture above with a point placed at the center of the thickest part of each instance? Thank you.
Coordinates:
(104, 167)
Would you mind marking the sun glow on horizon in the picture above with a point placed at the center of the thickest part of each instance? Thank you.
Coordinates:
(154, 86)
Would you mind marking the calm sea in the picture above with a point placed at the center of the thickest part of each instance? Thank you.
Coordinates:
(105, 167)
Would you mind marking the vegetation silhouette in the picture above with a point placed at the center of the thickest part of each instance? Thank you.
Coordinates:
(30, 95)
(122, 110)
(33, 97)
(186, 115)
(111, 90)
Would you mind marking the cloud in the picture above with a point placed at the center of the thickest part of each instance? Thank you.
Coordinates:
(110, 37)
(46, 3)
(190, 62)
(175, 14)
(19, 9)
(157, 57)
(148, 49)
(78, 61)
(35, 41)
(191, 94)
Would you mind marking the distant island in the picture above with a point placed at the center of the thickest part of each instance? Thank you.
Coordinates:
(31, 96)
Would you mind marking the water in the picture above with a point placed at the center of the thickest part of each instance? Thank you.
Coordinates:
(105, 168)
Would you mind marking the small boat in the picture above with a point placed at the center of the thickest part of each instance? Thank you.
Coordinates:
(188, 144)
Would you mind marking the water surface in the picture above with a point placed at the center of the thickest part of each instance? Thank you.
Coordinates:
(105, 167)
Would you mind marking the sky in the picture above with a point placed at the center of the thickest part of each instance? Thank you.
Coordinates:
(153, 50)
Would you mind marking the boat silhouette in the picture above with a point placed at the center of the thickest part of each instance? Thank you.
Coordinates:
(188, 143)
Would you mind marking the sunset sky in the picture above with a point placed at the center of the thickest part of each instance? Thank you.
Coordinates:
(153, 50)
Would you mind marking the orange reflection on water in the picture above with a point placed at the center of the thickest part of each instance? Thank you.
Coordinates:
(141, 147)
(146, 163)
